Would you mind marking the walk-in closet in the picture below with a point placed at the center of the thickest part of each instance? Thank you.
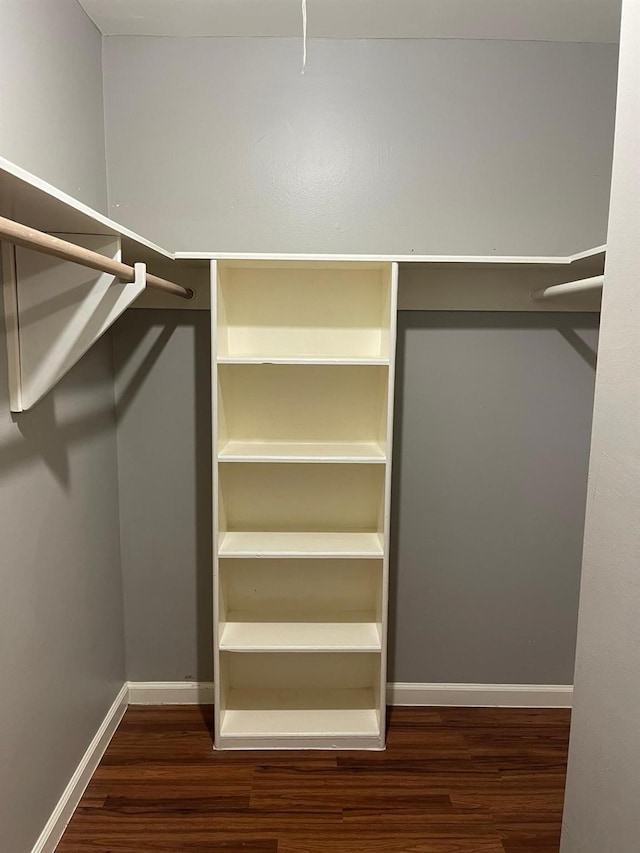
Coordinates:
(319, 446)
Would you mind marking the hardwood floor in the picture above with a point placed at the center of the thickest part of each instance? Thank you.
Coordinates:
(452, 780)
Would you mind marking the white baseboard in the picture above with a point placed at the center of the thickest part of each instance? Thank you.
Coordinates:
(481, 695)
(55, 826)
(461, 695)
(171, 693)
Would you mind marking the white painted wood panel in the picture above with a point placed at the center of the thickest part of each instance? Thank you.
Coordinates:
(353, 631)
(302, 451)
(300, 545)
(30, 200)
(57, 310)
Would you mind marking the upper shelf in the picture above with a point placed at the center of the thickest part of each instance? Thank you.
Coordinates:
(427, 282)
(34, 202)
(547, 260)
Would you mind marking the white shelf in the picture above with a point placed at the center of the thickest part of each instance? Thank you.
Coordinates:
(303, 359)
(344, 631)
(280, 451)
(38, 204)
(301, 544)
(295, 713)
(269, 257)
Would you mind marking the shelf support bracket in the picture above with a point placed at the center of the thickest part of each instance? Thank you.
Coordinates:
(55, 310)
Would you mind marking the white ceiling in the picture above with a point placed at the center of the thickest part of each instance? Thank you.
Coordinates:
(534, 20)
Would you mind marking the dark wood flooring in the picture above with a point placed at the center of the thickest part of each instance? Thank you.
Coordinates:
(451, 781)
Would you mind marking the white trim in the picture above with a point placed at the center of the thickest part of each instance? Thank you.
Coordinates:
(11, 315)
(61, 815)
(588, 253)
(171, 692)
(482, 695)
(399, 693)
(421, 259)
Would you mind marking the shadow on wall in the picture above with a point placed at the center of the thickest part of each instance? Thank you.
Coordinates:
(48, 437)
(62, 419)
(486, 403)
(74, 413)
(163, 390)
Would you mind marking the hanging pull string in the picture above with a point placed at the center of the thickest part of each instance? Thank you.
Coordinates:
(304, 35)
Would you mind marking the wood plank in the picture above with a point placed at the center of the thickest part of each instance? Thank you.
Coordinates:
(452, 780)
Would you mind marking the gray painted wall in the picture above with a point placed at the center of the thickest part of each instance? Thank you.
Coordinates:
(465, 147)
(491, 446)
(51, 104)
(163, 388)
(603, 783)
(61, 626)
(61, 616)
(492, 441)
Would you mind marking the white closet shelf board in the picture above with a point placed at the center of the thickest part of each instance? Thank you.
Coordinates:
(342, 631)
(32, 201)
(243, 258)
(55, 310)
(303, 359)
(29, 199)
(495, 287)
(38, 204)
(279, 451)
(444, 283)
(301, 545)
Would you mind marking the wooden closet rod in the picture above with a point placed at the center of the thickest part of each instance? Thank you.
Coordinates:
(581, 286)
(29, 238)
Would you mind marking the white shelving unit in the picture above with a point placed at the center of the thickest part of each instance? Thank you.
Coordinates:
(303, 369)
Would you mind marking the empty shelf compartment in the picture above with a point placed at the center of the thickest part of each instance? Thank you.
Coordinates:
(300, 605)
(317, 411)
(305, 498)
(303, 309)
(290, 695)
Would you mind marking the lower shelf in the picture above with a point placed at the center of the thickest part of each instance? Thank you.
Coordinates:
(326, 714)
(286, 700)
